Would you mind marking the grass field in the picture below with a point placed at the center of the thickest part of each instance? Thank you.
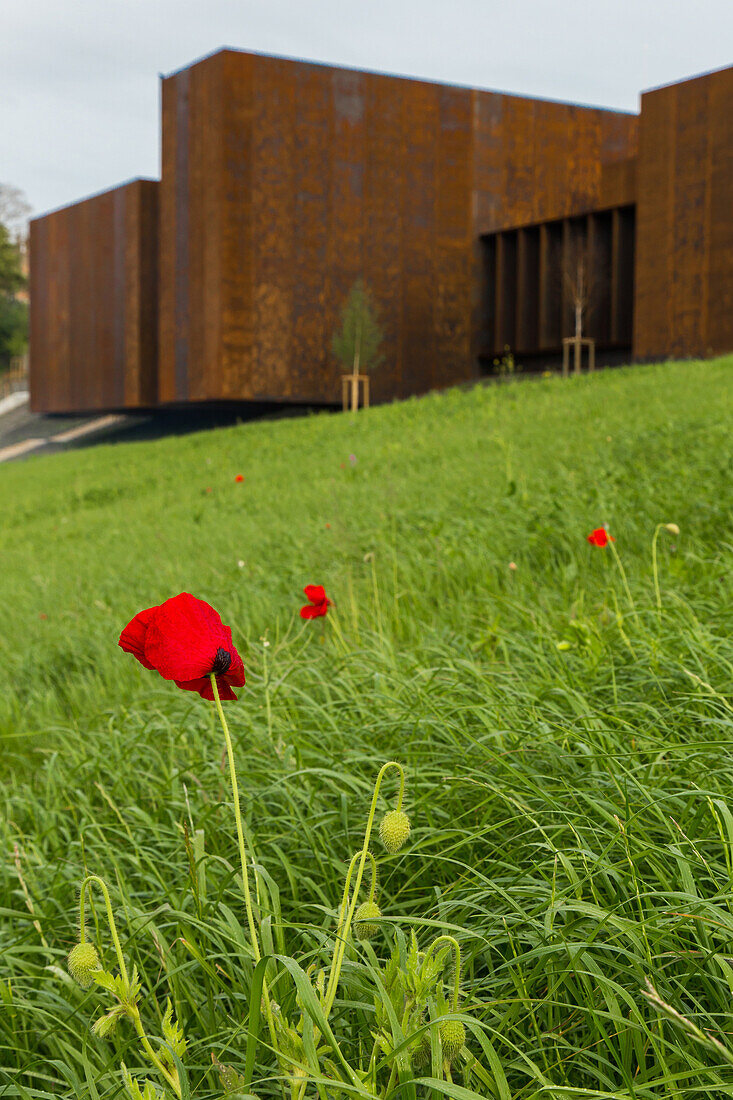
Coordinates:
(567, 744)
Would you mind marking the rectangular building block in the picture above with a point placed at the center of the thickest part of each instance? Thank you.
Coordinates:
(93, 292)
(684, 224)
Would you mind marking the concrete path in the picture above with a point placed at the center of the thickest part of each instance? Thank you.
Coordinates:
(23, 432)
(14, 401)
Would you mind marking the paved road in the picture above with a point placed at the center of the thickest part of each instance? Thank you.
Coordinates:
(23, 433)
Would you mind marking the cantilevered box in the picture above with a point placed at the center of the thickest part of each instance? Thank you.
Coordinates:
(94, 289)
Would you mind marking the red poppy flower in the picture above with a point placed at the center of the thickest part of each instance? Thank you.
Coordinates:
(319, 602)
(185, 641)
(239, 477)
(600, 537)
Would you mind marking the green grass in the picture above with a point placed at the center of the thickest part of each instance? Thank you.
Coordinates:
(572, 808)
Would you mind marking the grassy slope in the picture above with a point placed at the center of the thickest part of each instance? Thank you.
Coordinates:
(569, 807)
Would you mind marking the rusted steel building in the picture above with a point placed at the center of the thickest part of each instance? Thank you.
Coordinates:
(283, 182)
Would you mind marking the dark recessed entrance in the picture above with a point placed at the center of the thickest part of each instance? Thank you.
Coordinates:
(537, 277)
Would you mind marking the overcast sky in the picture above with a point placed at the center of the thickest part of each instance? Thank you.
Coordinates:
(79, 88)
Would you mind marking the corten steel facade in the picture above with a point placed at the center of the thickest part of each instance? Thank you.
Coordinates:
(93, 292)
(684, 294)
(283, 182)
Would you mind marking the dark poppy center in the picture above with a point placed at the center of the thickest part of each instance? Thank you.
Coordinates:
(222, 662)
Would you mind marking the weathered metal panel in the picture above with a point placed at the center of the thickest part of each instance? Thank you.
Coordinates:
(273, 214)
(618, 183)
(231, 377)
(90, 265)
(420, 122)
(167, 252)
(384, 210)
(518, 160)
(655, 183)
(535, 160)
(690, 227)
(719, 334)
(183, 342)
(684, 270)
(312, 305)
(454, 238)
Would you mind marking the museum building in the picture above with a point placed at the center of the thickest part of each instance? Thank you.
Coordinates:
(481, 222)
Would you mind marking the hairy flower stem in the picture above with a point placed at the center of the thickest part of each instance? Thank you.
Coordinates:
(238, 818)
(243, 860)
(342, 939)
(171, 1076)
(266, 684)
(622, 571)
(456, 962)
(345, 898)
(131, 1009)
(655, 568)
(97, 881)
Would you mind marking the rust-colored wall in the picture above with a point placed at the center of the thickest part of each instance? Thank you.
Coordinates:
(283, 182)
(93, 293)
(536, 160)
(618, 184)
(684, 254)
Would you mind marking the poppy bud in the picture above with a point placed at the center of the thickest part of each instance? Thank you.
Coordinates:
(452, 1038)
(394, 830)
(83, 961)
(672, 528)
(364, 918)
(422, 1052)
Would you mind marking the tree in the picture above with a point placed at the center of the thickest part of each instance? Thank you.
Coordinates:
(357, 344)
(11, 274)
(14, 212)
(578, 282)
(13, 313)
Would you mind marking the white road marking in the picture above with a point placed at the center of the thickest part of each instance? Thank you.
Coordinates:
(86, 429)
(16, 449)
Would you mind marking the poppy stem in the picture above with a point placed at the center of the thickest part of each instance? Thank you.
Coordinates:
(342, 939)
(238, 819)
(131, 1008)
(97, 881)
(345, 899)
(622, 571)
(170, 1076)
(243, 860)
(655, 569)
(266, 685)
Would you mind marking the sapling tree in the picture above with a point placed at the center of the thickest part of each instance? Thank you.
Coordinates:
(357, 344)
